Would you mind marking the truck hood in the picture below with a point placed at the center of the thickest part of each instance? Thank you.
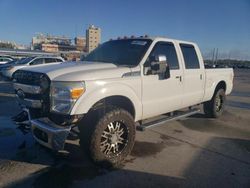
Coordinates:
(79, 71)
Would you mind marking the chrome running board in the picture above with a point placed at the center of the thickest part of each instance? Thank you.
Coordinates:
(158, 122)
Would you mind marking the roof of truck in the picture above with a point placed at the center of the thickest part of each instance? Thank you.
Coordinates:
(153, 38)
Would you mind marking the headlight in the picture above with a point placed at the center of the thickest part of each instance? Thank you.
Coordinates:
(64, 95)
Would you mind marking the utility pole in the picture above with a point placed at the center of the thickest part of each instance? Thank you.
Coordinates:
(213, 56)
(216, 55)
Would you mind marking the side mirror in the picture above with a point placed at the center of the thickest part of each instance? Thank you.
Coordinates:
(160, 66)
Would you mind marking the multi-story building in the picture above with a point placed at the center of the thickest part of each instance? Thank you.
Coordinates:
(51, 43)
(49, 47)
(40, 39)
(80, 43)
(93, 37)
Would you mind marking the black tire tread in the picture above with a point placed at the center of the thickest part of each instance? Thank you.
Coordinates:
(91, 129)
(209, 108)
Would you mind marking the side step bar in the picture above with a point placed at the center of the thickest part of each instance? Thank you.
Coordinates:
(161, 121)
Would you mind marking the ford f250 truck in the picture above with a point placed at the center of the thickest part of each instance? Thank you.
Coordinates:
(119, 85)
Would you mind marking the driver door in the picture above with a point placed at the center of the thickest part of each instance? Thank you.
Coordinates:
(160, 96)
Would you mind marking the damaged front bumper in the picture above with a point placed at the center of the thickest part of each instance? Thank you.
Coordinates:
(48, 134)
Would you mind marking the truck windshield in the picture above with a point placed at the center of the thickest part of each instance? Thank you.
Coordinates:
(128, 52)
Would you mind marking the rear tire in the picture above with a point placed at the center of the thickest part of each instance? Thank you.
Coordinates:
(215, 107)
(108, 136)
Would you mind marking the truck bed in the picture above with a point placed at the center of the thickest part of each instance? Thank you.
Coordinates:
(213, 75)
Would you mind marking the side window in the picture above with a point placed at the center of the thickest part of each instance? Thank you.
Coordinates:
(190, 56)
(8, 60)
(50, 60)
(167, 49)
(37, 61)
(3, 59)
(58, 60)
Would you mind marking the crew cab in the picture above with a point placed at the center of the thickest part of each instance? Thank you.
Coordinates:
(119, 85)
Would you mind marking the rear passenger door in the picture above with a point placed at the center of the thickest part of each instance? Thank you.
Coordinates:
(193, 82)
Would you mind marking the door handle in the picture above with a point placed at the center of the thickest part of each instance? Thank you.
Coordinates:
(178, 77)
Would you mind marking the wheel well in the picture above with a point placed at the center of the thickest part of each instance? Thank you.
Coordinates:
(221, 85)
(118, 101)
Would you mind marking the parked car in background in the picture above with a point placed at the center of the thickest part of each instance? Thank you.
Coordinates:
(4, 60)
(8, 70)
(2, 66)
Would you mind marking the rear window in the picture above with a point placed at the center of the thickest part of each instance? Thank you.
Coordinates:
(190, 56)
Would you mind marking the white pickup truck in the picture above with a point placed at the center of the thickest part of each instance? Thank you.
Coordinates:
(119, 85)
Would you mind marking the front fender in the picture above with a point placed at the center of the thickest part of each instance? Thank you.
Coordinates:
(97, 90)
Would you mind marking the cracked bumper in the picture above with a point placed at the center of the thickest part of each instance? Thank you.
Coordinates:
(49, 134)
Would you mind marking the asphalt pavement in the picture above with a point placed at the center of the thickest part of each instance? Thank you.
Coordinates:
(194, 152)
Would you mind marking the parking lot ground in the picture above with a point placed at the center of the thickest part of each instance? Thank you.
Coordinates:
(194, 152)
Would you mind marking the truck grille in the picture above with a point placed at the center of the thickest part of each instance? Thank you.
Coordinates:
(35, 79)
(27, 77)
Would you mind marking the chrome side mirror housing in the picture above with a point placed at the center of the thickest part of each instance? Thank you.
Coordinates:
(160, 66)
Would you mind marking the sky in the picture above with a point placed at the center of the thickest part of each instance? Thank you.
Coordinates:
(222, 24)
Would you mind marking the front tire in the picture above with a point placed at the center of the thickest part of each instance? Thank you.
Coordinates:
(215, 107)
(111, 136)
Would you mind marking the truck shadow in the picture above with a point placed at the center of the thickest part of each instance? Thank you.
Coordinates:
(66, 176)
(225, 166)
